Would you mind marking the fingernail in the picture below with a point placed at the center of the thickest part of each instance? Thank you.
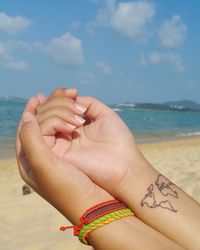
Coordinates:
(71, 126)
(27, 117)
(70, 91)
(80, 108)
(79, 119)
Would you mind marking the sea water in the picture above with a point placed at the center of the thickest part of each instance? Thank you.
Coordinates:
(154, 124)
(146, 124)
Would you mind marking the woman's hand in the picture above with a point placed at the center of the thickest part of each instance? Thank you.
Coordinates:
(63, 163)
(103, 147)
(43, 165)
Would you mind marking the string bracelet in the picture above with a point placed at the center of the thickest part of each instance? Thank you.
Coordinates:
(87, 229)
(98, 216)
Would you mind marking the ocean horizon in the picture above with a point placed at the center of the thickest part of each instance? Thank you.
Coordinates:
(147, 124)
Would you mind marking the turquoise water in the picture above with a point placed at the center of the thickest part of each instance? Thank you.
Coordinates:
(146, 124)
(149, 124)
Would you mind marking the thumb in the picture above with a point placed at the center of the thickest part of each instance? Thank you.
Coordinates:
(33, 145)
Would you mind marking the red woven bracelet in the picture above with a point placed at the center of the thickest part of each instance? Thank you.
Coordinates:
(96, 212)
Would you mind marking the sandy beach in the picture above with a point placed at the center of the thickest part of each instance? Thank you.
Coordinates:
(30, 223)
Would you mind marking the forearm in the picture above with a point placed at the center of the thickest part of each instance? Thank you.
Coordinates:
(161, 204)
(130, 234)
(125, 233)
(77, 207)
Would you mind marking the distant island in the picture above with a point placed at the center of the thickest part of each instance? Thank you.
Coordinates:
(182, 105)
(187, 104)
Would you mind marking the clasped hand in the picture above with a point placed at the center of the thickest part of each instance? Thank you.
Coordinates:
(76, 152)
(76, 149)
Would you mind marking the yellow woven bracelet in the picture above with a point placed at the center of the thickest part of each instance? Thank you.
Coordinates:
(98, 216)
(87, 229)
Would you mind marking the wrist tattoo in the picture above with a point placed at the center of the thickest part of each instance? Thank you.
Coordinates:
(158, 193)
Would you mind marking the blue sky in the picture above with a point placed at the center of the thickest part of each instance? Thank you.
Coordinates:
(117, 51)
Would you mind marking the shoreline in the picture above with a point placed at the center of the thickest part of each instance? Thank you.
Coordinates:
(167, 139)
(7, 152)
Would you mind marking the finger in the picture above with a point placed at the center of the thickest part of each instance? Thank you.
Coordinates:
(55, 125)
(66, 115)
(24, 170)
(95, 108)
(71, 93)
(31, 107)
(41, 98)
(62, 101)
(33, 144)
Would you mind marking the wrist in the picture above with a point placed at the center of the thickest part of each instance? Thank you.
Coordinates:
(133, 185)
(88, 199)
(97, 216)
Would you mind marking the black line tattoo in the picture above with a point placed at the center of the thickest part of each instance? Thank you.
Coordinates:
(165, 187)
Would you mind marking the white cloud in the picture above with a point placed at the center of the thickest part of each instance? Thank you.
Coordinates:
(65, 50)
(104, 68)
(170, 58)
(128, 18)
(13, 25)
(131, 18)
(7, 60)
(104, 15)
(16, 64)
(172, 32)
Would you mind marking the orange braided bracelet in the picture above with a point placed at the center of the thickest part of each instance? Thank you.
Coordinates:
(87, 229)
(97, 216)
